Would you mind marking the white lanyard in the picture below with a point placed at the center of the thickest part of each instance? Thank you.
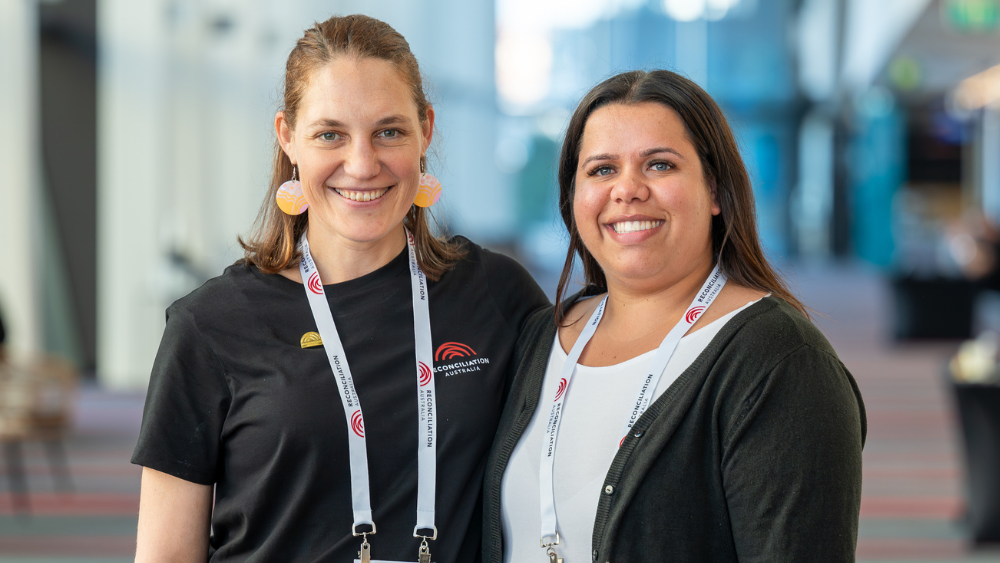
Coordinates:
(426, 400)
(706, 295)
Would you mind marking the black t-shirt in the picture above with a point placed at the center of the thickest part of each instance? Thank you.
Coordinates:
(236, 401)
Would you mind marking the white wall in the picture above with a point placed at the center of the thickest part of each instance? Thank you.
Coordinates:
(184, 148)
(20, 217)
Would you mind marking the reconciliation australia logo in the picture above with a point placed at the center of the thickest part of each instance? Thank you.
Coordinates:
(455, 358)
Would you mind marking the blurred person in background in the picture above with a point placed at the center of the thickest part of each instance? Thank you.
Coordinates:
(258, 387)
(682, 406)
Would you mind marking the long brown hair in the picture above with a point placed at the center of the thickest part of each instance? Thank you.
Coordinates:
(272, 246)
(734, 230)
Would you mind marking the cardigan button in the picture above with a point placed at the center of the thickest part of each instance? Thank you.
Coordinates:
(638, 434)
(608, 490)
(594, 558)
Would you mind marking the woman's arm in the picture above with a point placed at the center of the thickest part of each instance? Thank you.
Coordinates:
(792, 465)
(174, 519)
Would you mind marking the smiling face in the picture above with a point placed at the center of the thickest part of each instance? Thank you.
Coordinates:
(642, 205)
(357, 142)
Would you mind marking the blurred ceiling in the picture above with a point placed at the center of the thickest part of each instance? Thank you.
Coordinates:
(943, 54)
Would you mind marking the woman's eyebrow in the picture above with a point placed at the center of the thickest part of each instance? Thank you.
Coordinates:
(604, 156)
(645, 153)
(326, 123)
(388, 120)
(657, 150)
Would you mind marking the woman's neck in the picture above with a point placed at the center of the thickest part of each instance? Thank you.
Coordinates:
(338, 259)
(638, 307)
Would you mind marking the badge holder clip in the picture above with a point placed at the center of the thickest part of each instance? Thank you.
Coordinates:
(365, 555)
(550, 549)
(424, 555)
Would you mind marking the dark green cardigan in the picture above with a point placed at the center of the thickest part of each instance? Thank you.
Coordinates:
(752, 455)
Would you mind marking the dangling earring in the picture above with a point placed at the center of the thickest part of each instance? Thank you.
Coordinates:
(429, 191)
(290, 198)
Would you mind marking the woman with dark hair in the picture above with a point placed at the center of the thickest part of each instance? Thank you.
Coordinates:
(335, 394)
(681, 407)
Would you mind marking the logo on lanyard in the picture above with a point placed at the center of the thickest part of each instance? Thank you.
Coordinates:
(550, 526)
(425, 528)
(561, 389)
(314, 284)
(358, 424)
(425, 374)
(693, 314)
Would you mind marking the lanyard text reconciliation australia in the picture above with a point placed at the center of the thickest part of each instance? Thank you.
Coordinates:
(706, 295)
(426, 403)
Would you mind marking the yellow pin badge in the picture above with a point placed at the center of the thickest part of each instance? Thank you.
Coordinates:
(311, 340)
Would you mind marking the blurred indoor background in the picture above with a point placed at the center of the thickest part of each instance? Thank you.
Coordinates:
(137, 141)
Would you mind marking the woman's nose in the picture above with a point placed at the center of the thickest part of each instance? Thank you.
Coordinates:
(362, 161)
(631, 186)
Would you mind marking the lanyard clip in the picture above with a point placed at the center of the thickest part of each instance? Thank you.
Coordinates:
(549, 550)
(365, 555)
(424, 555)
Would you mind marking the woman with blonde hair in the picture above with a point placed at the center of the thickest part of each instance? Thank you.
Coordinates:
(334, 395)
(681, 407)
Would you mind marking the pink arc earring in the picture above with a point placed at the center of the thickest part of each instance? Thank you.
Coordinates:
(429, 191)
(290, 198)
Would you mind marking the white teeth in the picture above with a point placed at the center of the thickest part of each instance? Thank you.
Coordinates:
(362, 196)
(634, 226)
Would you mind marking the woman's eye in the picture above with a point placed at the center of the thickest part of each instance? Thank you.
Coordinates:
(602, 171)
(661, 166)
(329, 136)
(389, 133)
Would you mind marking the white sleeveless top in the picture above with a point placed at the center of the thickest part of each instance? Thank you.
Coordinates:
(588, 441)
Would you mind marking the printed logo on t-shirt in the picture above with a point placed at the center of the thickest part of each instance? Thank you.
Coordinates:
(425, 374)
(561, 389)
(693, 313)
(458, 351)
(358, 424)
(315, 285)
(451, 350)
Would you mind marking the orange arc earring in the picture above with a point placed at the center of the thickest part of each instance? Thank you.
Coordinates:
(429, 191)
(290, 198)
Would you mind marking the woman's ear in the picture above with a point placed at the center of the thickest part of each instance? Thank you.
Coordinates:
(427, 127)
(285, 138)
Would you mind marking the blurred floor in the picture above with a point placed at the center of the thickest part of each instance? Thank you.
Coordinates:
(97, 520)
(911, 507)
(912, 499)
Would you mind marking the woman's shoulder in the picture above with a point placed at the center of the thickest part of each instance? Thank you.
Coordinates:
(777, 317)
(508, 284)
(227, 293)
(771, 331)
(494, 262)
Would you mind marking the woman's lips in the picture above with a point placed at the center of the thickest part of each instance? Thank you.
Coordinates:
(624, 227)
(361, 195)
